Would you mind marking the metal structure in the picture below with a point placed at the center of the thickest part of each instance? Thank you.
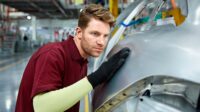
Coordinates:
(44, 8)
(162, 73)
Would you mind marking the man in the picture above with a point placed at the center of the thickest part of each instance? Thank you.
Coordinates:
(55, 78)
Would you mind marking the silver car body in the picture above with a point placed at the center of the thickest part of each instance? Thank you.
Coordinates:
(162, 73)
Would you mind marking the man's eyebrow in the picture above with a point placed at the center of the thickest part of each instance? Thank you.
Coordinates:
(94, 31)
(100, 32)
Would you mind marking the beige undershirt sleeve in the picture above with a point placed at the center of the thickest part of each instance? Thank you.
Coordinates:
(62, 99)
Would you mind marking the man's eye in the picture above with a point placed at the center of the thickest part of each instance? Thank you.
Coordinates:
(106, 36)
(95, 34)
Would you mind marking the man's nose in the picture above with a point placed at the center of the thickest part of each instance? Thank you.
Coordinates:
(101, 41)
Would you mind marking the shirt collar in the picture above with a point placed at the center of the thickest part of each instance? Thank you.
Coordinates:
(74, 52)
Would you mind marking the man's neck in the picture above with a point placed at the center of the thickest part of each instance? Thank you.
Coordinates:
(78, 45)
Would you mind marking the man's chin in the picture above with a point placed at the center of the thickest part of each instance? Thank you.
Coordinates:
(96, 55)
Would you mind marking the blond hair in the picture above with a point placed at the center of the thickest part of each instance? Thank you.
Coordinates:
(95, 11)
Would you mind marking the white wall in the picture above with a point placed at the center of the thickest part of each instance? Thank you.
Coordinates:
(50, 23)
(46, 27)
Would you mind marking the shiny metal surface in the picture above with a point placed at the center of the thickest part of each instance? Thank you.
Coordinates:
(165, 62)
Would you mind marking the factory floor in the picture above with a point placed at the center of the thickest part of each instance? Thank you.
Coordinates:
(11, 70)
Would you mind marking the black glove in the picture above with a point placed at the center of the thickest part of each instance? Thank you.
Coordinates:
(106, 71)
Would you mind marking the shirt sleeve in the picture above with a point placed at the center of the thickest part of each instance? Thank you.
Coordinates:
(48, 72)
(62, 99)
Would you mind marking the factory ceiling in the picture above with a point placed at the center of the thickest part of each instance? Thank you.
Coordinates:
(53, 9)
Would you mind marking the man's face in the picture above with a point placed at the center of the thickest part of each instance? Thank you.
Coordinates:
(94, 37)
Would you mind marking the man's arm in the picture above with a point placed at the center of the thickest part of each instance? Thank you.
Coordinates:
(62, 99)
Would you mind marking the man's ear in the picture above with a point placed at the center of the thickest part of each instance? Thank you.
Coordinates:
(79, 32)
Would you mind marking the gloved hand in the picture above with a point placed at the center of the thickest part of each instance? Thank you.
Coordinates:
(106, 71)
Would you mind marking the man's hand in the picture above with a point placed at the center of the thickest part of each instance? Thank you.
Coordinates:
(107, 70)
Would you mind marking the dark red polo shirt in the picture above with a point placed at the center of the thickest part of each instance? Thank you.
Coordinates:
(54, 66)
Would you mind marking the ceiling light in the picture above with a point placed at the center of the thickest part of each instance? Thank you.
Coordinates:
(29, 17)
